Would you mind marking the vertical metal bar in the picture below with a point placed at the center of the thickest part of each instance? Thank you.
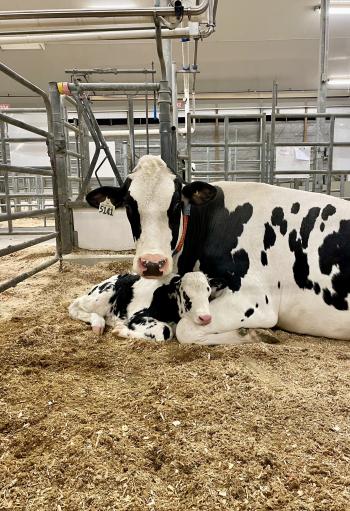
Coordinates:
(124, 156)
(6, 177)
(330, 155)
(131, 130)
(60, 171)
(174, 96)
(147, 127)
(226, 140)
(189, 149)
(263, 149)
(273, 133)
(166, 149)
(322, 88)
(235, 155)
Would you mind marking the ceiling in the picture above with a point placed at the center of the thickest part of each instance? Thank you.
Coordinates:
(255, 43)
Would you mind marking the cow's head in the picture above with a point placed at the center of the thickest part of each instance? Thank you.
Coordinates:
(153, 197)
(193, 295)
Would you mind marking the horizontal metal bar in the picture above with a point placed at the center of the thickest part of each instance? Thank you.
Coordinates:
(333, 173)
(124, 87)
(78, 205)
(232, 144)
(25, 170)
(27, 214)
(26, 244)
(222, 173)
(23, 276)
(25, 195)
(22, 233)
(73, 153)
(222, 116)
(101, 13)
(74, 178)
(109, 70)
(24, 126)
(22, 110)
(71, 126)
(19, 140)
(311, 115)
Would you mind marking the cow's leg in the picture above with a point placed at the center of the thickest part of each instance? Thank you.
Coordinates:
(79, 309)
(227, 326)
(145, 327)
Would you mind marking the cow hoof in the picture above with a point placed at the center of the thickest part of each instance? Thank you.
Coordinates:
(98, 330)
(267, 337)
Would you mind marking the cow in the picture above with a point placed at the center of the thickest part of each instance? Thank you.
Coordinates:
(283, 254)
(145, 309)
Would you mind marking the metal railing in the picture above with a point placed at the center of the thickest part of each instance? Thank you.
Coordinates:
(6, 169)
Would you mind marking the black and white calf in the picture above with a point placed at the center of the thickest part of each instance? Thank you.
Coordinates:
(143, 308)
(284, 254)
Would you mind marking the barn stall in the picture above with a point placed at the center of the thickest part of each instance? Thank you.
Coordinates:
(103, 423)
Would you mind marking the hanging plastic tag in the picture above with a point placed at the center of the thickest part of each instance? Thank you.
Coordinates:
(106, 207)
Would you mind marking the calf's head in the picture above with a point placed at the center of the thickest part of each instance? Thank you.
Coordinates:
(193, 296)
(153, 197)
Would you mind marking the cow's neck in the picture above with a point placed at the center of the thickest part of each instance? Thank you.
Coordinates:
(198, 234)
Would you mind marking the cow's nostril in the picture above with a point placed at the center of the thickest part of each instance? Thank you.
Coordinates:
(205, 319)
(162, 263)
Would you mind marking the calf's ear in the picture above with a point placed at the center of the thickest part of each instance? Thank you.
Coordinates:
(199, 192)
(116, 196)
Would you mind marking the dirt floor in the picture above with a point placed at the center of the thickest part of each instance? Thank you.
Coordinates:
(106, 424)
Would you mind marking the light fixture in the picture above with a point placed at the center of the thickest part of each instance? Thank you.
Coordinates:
(339, 7)
(23, 46)
(339, 82)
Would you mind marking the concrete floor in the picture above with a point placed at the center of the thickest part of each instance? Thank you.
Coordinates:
(26, 234)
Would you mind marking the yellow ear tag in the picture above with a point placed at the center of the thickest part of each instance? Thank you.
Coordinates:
(106, 207)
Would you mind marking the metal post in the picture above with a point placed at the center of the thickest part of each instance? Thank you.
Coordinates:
(189, 149)
(322, 88)
(6, 177)
(330, 155)
(272, 132)
(226, 139)
(125, 158)
(164, 102)
(65, 214)
(174, 96)
(263, 149)
(131, 130)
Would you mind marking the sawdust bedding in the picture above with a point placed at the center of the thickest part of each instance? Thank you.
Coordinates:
(107, 424)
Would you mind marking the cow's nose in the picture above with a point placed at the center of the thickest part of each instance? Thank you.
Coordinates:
(205, 319)
(152, 265)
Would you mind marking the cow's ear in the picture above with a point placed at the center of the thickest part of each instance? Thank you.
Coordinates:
(199, 193)
(116, 196)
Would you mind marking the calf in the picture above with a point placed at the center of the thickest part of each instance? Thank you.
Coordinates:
(143, 308)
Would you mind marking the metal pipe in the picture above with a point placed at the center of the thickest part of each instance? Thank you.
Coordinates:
(158, 34)
(330, 155)
(109, 70)
(24, 195)
(230, 144)
(226, 138)
(105, 35)
(273, 131)
(20, 246)
(165, 132)
(23, 276)
(189, 147)
(27, 214)
(101, 13)
(25, 170)
(22, 110)
(131, 130)
(120, 87)
(263, 149)
(18, 140)
(6, 177)
(24, 126)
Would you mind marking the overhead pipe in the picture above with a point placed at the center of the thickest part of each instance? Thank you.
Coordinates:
(67, 88)
(100, 35)
(102, 13)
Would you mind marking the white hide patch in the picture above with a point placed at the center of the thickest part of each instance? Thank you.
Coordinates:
(152, 186)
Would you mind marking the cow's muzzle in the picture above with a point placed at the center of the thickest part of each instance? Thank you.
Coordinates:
(152, 266)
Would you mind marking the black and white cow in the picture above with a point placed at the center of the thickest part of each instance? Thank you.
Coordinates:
(284, 254)
(143, 308)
